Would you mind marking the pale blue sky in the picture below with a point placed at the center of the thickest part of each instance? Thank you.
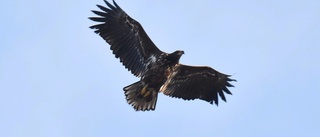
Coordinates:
(59, 79)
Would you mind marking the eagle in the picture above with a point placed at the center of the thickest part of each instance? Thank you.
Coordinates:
(158, 71)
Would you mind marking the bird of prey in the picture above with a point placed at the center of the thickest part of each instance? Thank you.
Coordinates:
(158, 71)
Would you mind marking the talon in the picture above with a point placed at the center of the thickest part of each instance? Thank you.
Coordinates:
(146, 94)
(144, 89)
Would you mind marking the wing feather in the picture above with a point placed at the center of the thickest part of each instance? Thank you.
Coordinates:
(104, 8)
(102, 14)
(190, 82)
(127, 38)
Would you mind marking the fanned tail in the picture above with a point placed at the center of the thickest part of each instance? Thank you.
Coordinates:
(140, 96)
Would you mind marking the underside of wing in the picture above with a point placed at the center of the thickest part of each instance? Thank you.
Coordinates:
(190, 82)
(127, 38)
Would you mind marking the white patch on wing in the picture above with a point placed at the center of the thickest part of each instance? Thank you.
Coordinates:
(151, 60)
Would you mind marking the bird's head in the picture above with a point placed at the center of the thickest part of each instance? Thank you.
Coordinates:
(175, 56)
(178, 52)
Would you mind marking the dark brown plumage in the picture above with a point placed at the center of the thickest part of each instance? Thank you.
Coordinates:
(158, 71)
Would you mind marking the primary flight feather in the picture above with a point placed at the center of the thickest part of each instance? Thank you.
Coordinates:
(158, 71)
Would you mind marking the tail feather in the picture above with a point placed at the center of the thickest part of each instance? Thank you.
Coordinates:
(141, 97)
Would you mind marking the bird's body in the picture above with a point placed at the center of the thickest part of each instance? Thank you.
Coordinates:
(143, 94)
(158, 71)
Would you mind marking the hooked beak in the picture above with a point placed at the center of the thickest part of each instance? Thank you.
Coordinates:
(181, 52)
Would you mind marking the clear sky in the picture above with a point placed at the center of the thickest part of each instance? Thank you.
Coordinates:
(59, 79)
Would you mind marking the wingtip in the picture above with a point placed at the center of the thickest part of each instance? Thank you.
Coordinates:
(90, 18)
(216, 103)
(91, 27)
(105, 1)
(109, 4)
(229, 79)
(115, 4)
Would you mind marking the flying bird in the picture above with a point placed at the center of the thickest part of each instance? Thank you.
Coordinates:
(158, 71)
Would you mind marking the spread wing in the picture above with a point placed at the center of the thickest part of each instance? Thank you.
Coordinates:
(189, 82)
(128, 40)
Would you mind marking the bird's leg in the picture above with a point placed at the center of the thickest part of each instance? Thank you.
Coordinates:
(146, 94)
(144, 91)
